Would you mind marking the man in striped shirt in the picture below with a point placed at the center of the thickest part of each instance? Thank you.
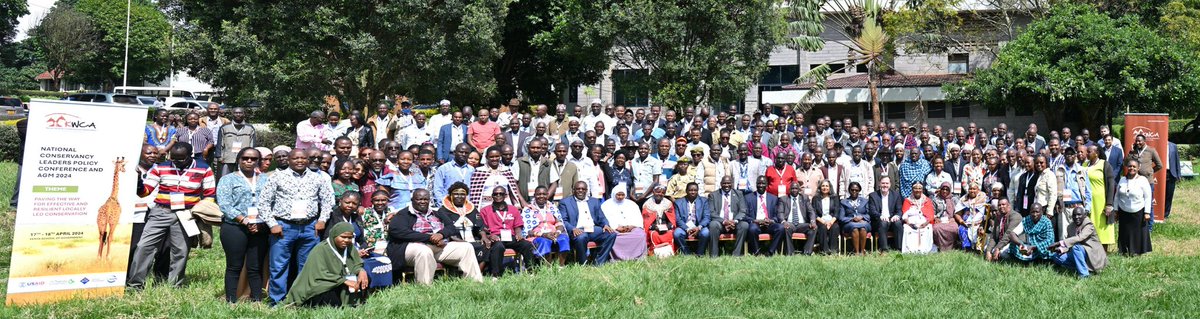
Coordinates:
(181, 183)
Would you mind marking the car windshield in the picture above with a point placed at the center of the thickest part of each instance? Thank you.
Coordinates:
(8, 101)
(125, 99)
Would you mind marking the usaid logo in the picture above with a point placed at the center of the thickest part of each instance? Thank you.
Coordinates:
(66, 121)
(1142, 130)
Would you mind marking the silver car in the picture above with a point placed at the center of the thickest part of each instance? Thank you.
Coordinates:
(11, 108)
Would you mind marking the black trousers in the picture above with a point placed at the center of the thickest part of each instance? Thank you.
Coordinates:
(880, 229)
(522, 247)
(810, 239)
(493, 258)
(828, 238)
(1132, 235)
(242, 247)
(162, 260)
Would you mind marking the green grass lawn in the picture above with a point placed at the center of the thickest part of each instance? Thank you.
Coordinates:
(1165, 283)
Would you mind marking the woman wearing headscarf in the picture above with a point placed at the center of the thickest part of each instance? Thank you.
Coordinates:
(918, 212)
(658, 217)
(971, 214)
(544, 224)
(333, 274)
(626, 220)
(945, 229)
(471, 229)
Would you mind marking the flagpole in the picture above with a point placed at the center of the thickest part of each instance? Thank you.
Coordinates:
(125, 73)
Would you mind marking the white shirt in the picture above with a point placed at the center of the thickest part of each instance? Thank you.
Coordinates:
(644, 171)
(437, 121)
(414, 135)
(744, 173)
(796, 210)
(456, 135)
(585, 215)
(863, 173)
(885, 209)
(1133, 195)
(825, 208)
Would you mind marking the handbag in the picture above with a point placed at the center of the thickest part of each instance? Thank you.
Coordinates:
(664, 251)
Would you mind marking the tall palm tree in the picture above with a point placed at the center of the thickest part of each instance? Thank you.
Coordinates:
(866, 41)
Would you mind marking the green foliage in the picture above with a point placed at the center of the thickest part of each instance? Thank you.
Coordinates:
(149, 41)
(1181, 20)
(10, 10)
(1080, 57)
(10, 144)
(697, 51)
(275, 137)
(546, 44)
(928, 26)
(805, 25)
(361, 53)
(19, 64)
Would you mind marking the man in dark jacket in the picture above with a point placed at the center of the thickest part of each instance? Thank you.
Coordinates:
(420, 237)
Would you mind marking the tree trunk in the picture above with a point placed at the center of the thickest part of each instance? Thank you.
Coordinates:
(871, 85)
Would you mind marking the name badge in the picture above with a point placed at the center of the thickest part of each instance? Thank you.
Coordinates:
(380, 246)
(781, 190)
(957, 187)
(177, 201)
(742, 184)
(589, 229)
(189, 225)
(299, 209)
(662, 227)
(506, 235)
(236, 147)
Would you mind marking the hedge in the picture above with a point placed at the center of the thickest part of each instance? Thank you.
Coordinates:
(9, 143)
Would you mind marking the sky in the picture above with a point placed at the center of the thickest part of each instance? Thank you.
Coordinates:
(37, 8)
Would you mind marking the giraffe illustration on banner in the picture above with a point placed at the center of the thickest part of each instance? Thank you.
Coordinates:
(110, 213)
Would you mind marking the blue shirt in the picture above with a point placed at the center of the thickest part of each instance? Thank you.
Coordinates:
(403, 187)
(912, 172)
(446, 175)
(235, 195)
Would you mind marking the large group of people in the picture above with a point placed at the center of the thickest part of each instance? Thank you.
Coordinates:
(364, 201)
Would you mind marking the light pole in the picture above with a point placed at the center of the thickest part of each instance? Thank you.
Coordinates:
(125, 73)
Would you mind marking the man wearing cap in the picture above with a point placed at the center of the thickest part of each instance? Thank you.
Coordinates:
(596, 116)
(444, 116)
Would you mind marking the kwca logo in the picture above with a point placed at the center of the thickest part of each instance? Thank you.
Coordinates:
(65, 121)
(1142, 130)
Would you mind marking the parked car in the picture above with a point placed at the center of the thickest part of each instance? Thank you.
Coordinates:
(189, 105)
(149, 101)
(11, 107)
(104, 98)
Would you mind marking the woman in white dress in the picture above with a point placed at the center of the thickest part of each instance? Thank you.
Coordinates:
(918, 212)
(625, 217)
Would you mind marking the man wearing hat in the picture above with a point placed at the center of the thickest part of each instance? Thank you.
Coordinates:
(597, 116)
(437, 121)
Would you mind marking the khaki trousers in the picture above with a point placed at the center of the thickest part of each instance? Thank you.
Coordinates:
(424, 258)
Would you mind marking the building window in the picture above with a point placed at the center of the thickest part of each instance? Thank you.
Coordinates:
(1023, 110)
(833, 67)
(862, 68)
(631, 87)
(959, 63)
(960, 110)
(573, 94)
(779, 75)
(935, 110)
(895, 111)
(996, 111)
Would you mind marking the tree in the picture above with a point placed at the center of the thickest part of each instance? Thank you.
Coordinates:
(65, 38)
(19, 64)
(10, 11)
(359, 52)
(863, 35)
(149, 40)
(1078, 57)
(550, 47)
(1181, 20)
(696, 52)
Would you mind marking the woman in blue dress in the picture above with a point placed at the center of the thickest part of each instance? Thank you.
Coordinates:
(855, 218)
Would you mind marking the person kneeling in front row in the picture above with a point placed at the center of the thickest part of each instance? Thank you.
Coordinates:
(333, 275)
(1082, 251)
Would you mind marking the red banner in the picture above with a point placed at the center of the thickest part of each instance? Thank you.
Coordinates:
(1155, 127)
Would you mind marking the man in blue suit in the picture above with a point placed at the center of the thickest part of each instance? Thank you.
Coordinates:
(450, 135)
(585, 223)
(1172, 176)
(761, 216)
(691, 219)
